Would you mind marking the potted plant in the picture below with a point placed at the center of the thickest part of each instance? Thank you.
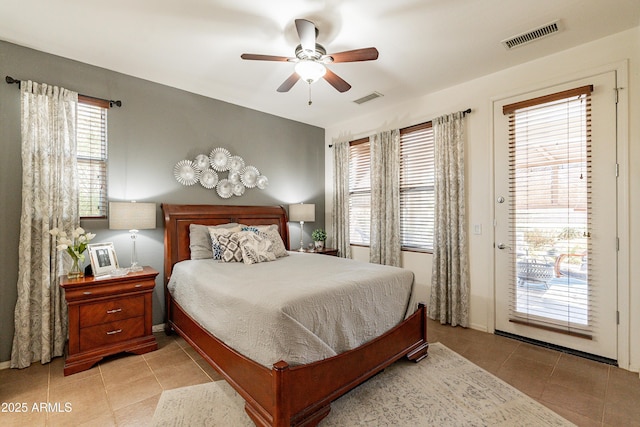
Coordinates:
(319, 236)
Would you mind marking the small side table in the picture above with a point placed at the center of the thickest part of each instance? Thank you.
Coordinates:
(108, 316)
(325, 251)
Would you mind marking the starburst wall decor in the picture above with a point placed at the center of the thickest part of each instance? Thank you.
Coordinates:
(206, 169)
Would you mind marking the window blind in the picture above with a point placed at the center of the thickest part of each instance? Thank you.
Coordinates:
(92, 158)
(550, 210)
(417, 175)
(359, 191)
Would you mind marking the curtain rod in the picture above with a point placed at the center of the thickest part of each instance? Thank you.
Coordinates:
(464, 113)
(10, 80)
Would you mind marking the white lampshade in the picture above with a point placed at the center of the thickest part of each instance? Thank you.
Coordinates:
(310, 70)
(305, 212)
(132, 215)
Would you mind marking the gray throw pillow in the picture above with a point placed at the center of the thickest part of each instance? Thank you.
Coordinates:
(200, 240)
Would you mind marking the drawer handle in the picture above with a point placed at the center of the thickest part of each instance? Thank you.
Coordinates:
(116, 310)
(138, 285)
(87, 293)
(117, 331)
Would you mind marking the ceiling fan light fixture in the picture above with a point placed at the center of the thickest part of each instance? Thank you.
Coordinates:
(311, 59)
(310, 70)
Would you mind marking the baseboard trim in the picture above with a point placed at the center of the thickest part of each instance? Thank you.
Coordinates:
(154, 328)
(479, 327)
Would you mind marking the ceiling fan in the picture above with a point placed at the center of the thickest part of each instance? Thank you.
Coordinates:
(311, 59)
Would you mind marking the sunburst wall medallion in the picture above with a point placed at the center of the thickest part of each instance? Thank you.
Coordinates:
(208, 170)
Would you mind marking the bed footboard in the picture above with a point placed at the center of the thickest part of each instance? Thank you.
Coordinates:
(302, 395)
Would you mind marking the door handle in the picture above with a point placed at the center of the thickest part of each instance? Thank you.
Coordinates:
(502, 246)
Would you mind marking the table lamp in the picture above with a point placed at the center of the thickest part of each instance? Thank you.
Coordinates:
(132, 216)
(302, 212)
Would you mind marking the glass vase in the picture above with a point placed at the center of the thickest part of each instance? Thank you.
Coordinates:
(76, 271)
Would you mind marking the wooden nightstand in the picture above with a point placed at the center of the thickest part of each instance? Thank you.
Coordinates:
(325, 251)
(108, 316)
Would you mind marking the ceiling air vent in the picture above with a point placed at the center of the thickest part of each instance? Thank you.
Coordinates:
(368, 98)
(532, 35)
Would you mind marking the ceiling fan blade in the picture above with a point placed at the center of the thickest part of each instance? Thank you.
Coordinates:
(365, 54)
(336, 81)
(288, 84)
(256, 57)
(307, 33)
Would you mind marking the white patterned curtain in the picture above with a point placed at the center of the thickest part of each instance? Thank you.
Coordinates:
(49, 199)
(385, 198)
(340, 221)
(449, 302)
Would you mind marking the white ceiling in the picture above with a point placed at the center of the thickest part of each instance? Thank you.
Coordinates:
(195, 45)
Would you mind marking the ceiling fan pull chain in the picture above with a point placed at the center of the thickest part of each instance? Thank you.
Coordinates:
(310, 93)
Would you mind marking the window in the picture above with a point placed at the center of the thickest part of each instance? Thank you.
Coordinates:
(92, 157)
(417, 197)
(416, 189)
(359, 191)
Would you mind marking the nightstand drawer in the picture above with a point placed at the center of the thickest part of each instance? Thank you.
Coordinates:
(103, 288)
(111, 333)
(111, 310)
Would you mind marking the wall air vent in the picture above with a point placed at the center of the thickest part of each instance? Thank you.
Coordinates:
(532, 35)
(367, 98)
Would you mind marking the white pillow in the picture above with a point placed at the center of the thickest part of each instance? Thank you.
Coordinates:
(255, 248)
(269, 232)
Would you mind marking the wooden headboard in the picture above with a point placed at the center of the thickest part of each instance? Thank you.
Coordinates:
(177, 219)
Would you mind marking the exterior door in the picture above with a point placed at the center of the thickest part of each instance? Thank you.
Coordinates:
(555, 215)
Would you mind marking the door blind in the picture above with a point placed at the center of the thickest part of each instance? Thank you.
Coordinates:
(550, 211)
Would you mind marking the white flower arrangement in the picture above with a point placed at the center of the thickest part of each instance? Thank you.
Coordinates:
(75, 246)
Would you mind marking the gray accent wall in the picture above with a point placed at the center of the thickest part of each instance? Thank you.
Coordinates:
(156, 127)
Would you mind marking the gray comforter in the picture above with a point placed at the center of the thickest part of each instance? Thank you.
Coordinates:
(300, 309)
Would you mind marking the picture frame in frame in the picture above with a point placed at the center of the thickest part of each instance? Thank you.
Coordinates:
(103, 258)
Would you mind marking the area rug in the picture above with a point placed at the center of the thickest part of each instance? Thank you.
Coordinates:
(443, 390)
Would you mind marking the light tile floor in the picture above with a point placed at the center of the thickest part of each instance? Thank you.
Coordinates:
(124, 390)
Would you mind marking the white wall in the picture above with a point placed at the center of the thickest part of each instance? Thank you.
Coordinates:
(621, 52)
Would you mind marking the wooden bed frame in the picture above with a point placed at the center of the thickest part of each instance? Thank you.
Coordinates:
(284, 395)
